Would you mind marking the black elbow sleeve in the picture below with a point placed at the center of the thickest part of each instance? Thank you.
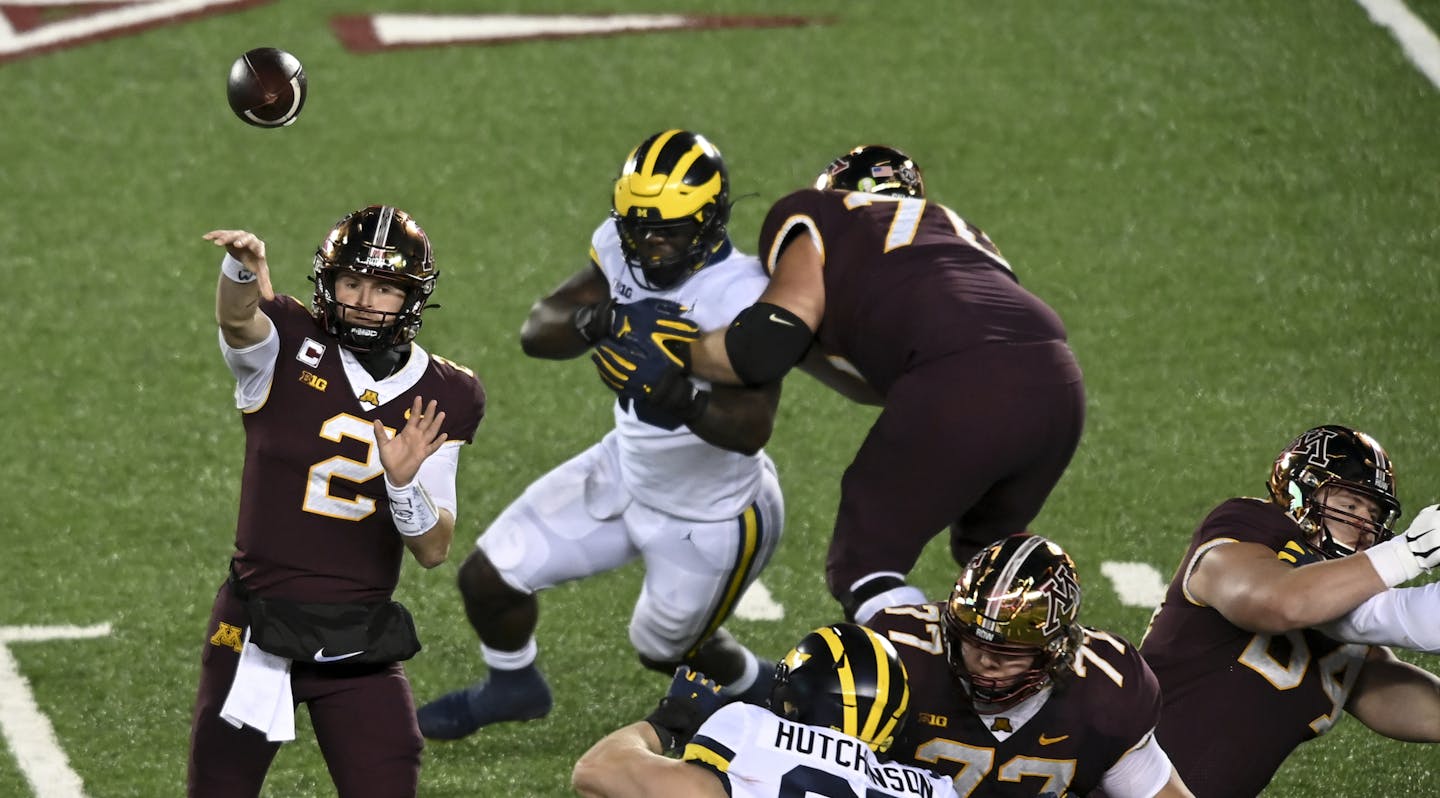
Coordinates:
(765, 341)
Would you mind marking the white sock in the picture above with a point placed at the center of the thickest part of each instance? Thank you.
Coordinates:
(510, 660)
(905, 594)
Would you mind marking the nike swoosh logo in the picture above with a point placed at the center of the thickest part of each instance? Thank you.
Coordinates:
(320, 656)
(1052, 740)
(779, 320)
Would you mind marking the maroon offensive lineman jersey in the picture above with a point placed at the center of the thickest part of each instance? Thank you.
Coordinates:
(906, 281)
(1102, 711)
(1236, 702)
(314, 520)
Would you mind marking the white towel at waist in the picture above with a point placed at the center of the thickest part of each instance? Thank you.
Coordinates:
(260, 695)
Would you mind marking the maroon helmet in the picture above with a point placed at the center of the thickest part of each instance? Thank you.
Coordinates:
(379, 241)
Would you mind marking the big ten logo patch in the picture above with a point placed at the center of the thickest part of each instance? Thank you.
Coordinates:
(318, 383)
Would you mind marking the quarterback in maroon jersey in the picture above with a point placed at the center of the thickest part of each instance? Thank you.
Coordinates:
(1010, 696)
(895, 300)
(352, 437)
(1245, 677)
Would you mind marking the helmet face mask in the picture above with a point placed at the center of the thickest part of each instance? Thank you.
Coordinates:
(671, 207)
(874, 169)
(384, 243)
(1330, 466)
(1016, 598)
(844, 677)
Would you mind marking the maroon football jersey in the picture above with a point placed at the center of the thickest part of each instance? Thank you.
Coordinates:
(314, 520)
(1236, 702)
(1106, 708)
(906, 280)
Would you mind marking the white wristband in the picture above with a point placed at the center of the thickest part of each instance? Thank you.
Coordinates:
(411, 508)
(1394, 561)
(235, 271)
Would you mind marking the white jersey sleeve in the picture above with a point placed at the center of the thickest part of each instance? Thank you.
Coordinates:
(1140, 773)
(437, 474)
(757, 754)
(253, 367)
(1401, 616)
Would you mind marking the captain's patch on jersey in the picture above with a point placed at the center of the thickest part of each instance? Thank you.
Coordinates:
(310, 352)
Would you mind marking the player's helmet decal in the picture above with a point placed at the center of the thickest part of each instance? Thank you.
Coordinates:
(1333, 456)
(875, 169)
(379, 241)
(1019, 596)
(673, 189)
(845, 677)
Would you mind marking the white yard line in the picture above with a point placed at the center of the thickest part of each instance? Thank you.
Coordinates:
(1415, 37)
(758, 605)
(27, 731)
(1138, 584)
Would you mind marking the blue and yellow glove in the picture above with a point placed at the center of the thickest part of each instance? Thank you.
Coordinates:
(692, 699)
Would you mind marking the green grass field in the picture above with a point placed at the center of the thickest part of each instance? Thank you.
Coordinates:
(1235, 205)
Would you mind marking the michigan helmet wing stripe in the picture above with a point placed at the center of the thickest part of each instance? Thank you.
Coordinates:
(845, 670)
(879, 727)
(752, 535)
(652, 157)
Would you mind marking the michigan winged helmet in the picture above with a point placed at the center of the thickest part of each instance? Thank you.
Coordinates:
(671, 205)
(845, 677)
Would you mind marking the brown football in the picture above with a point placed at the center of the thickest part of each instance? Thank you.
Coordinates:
(267, 87)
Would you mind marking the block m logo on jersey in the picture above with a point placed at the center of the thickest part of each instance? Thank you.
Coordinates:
(31, 27)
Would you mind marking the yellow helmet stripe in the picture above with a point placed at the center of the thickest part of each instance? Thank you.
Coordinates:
(846, 672)
(876, 727)
(657, 147)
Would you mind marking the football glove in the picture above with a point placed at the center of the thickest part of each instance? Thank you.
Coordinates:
(660, 323)
(1406, 556)
(596, 321)
(635, 371)
(677, 395)
(692, 698)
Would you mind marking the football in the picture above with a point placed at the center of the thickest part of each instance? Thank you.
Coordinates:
(267, 87)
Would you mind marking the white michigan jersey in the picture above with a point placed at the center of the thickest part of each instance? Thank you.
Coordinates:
(665, 465)
(757, 754)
